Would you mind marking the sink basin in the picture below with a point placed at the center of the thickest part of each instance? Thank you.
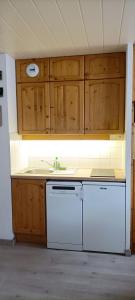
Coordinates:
(49, 171)
(38, 171)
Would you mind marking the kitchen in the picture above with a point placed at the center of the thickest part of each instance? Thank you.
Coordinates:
(69, 127)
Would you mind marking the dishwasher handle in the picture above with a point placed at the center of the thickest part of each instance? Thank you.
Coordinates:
(67, 188)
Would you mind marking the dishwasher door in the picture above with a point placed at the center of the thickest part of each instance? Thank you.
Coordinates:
(64, 215)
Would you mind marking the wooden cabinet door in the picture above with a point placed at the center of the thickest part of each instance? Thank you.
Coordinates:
(110, 65)
(33, 107)
(67, 68)
(67, 107)
(21, 66)
(28, 202)
(104, 106)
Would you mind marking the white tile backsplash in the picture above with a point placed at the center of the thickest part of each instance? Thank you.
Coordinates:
(76, 154)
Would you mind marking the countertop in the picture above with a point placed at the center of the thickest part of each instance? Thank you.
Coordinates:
(79, 174)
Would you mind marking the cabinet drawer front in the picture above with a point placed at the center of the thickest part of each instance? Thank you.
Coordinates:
(111, 65)
(21, 66)
(67, 68)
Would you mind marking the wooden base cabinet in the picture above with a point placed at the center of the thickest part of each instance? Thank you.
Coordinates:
(29, 210)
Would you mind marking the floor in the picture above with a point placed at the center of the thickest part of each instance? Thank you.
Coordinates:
(38, 273)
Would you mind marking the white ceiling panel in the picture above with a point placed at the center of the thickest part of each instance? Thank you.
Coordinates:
(73, 20)
(92, 17)
(39, 28)
(9, 14)
(112, 19)
(51, 14)
(9, 40)
(128, 23)
(27, 10)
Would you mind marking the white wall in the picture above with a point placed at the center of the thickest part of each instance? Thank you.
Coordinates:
(5, 182)
(76, 154)
(129, 76)
(11, 93)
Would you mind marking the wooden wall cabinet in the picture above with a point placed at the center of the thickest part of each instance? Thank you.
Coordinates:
(21, 65)
(101, 66)
(67, 68)
(33, 108)
(104, 106)
(57, 107)
(29, 211)
(67, 107)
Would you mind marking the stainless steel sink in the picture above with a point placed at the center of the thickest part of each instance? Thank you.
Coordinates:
(39, 171)
(48, 171)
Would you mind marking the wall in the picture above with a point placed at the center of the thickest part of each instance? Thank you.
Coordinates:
(128, 130)
(11, 94)
(5, 182)
(76, 154)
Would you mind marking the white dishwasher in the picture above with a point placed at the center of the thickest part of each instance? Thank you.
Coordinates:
(64, 215)
(104, 217)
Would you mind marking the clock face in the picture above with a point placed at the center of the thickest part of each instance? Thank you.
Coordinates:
(32, 70)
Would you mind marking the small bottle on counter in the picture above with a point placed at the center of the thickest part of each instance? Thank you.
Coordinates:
(56, 164)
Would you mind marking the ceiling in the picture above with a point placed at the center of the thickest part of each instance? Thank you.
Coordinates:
(40, 28)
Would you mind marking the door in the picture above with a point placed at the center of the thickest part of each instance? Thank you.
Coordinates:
(21, 70)
(64, 216)
(67, 107)
(101, 66)
(104, 106)
(33, 107)
(67, 68)
(28, 201)
(104, 218)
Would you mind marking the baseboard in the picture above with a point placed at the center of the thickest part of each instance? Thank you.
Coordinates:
(5, 242)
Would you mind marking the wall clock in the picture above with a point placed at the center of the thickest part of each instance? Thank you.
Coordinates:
(32, 70)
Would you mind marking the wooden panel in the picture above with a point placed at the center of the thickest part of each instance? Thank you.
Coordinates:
(67, 107)
(22, 64)
(67, 68)
(104, 106)
(30, 238)
(28, 200)
(33, 107)
(69, 137)
(110, 65)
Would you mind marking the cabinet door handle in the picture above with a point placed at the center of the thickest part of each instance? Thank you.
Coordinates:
(103, 188)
